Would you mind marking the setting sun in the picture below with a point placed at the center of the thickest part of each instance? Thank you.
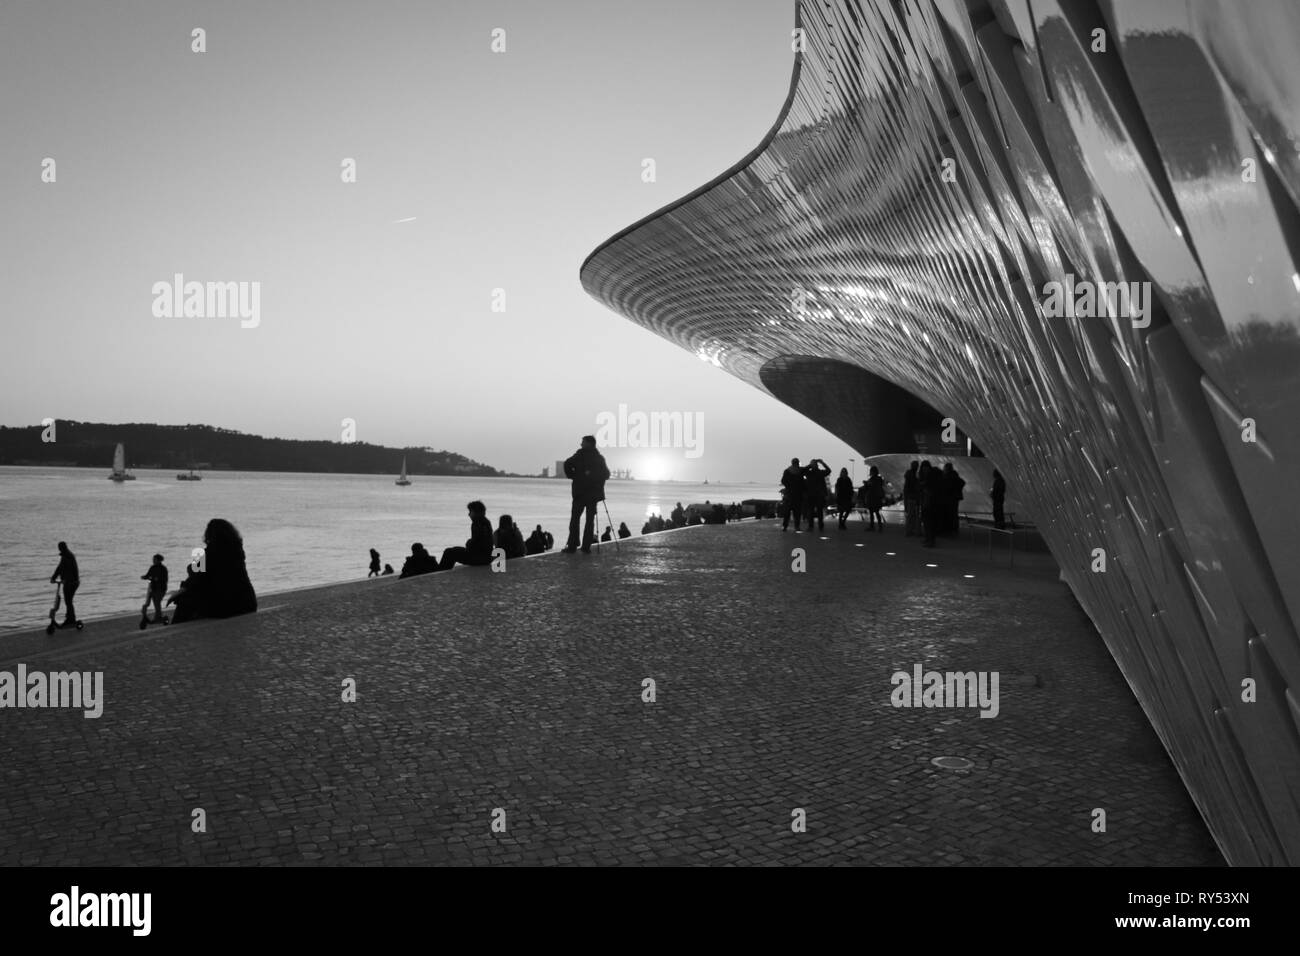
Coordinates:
(654, 469)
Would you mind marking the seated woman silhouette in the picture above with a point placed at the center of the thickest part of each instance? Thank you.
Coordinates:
(509, 538)
(218, 586)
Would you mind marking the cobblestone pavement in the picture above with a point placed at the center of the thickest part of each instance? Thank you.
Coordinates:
(523, 691)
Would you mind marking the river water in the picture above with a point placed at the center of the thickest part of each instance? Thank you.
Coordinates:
(298, 529)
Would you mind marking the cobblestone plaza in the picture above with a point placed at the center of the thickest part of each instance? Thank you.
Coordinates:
(523, 692)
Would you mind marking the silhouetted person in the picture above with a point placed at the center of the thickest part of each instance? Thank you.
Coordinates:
(875, 487)
(911, 501)
(550, 540)
(374, 564)
(157, 578)
(679, 516)
(844, 497)
(68, 573)
(388, 569)
(420, 561)
(814, 491)
(953, 483)
(999, 495)
(623, 530)
(792, 494)
(536, 542)
(509, 538)
(478, 547)
(588, 471)
(219, 587)
(931, 481)
(607, 534)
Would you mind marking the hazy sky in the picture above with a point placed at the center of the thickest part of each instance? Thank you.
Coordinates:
(225, 166)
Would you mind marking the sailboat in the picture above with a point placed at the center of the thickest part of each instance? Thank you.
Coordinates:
(119, 465)
(402, 479)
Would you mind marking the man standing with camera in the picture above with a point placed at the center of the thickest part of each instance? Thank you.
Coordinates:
(587, 470)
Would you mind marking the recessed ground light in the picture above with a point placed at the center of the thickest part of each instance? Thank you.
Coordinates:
(952, 763)
(932, 565)
(859, 546)
(968, 575)
(890, 553)
(824, 538)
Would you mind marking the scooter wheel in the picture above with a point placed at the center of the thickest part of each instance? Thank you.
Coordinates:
(49, 629)
(80, 625)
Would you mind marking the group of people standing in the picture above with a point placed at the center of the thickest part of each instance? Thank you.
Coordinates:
(804, 493)
(804, 496)
(932, 500)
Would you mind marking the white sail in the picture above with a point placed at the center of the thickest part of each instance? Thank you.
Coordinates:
(403, 469)
(402, 479)
(119, 459)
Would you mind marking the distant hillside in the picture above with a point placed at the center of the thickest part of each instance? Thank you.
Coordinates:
(171, 446)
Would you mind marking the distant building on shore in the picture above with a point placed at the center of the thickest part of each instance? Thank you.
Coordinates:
(559, 469)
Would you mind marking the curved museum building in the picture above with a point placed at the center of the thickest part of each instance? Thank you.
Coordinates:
(1074, 228)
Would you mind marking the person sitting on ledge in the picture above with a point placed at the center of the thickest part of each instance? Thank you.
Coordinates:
(623, 530)
(607, 534)
(420, 562)
(219, 585)
(678, 516)
(388, 569)
(478, 548)
(509, 538)
(536, 542)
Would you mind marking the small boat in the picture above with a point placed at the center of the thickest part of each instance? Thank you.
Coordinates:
(119, 465)
(193, 475)
(402, 479)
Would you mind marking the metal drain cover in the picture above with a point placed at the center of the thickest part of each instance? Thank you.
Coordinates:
(952, 763)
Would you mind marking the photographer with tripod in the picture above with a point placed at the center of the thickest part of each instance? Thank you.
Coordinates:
(587, 470)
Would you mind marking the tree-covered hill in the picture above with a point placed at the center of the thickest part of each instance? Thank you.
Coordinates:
(175, 446)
